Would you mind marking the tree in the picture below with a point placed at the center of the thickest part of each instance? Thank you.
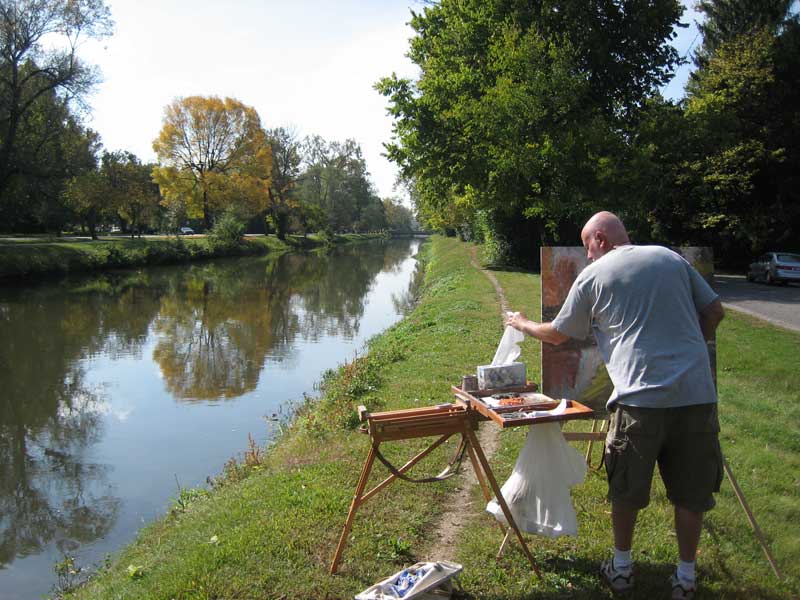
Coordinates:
(398, 218)
(213, 153)
(336, 181)
(131, 189)
(29, 71)
(88, 196)
(373, 216)
(517, 104)
(744, 104)
(86, 191)
(286, 161)
(725, 20)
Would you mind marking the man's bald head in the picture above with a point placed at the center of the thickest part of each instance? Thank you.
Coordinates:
(602, 233)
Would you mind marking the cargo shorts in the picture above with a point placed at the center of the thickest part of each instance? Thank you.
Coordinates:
(684, 441)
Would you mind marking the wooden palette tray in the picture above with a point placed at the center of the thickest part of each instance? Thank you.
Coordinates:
(508, 416)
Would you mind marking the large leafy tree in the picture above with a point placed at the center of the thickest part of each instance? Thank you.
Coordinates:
(286, 163)
(336, 182)
(725, 20)
(88, 195)
(39, 70)
(517, 104)
(213, 154)
(398, 217)
(131, 190)
(744, 102)
(54, 148)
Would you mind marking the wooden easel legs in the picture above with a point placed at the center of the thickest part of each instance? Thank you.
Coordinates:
(751, 518)
(348, 524)
(482, 471)
(473, 443)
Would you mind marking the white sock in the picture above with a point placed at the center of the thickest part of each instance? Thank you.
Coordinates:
(622, 560)
(686, 571)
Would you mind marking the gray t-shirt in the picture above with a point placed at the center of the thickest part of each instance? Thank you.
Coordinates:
(642, 304)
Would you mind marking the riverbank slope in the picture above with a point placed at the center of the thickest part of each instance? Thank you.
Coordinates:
(26, 257)
(269, 527)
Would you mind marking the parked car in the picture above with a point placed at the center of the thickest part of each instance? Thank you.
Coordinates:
(775, 267)
(187, 231)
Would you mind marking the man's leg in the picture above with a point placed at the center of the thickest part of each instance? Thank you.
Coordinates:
(632, 445)
(623, 522)
(688, 525)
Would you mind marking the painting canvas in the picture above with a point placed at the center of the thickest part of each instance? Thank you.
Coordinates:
(575, 369)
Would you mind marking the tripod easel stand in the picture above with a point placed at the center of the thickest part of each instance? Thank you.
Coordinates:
(443, 421)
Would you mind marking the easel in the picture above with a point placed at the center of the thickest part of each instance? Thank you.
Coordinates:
(444, 421)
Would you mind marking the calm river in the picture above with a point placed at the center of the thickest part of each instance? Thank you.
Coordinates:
(117, 388)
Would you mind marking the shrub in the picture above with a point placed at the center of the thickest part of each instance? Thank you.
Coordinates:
(227, 231)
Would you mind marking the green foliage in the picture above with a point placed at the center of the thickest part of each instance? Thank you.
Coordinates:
(515, 107)
(227, 231)
(132, 193)
(69, 576)
(286, 160)
(186, 498)
(40, 138)
(398, 218)
(726, 20)
(336, 184)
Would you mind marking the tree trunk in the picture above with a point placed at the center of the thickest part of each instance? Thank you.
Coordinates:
(206, 211)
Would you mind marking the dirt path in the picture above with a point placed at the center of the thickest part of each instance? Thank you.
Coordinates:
(453, 519)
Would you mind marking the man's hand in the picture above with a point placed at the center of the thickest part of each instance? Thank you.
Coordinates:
(517, 320)
(541, 331)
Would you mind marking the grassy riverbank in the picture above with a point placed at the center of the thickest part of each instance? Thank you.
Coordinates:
(269, 528)
(24, 257)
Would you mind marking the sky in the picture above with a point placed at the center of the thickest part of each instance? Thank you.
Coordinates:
(306, 64)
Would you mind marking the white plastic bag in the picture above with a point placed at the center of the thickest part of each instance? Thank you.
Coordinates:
(508, 350)
(537, 492)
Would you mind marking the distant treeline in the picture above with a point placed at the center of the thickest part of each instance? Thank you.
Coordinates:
(214, 157)
(528, 117)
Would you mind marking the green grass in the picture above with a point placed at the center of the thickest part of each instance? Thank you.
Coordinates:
(45, 256)
(269, 528)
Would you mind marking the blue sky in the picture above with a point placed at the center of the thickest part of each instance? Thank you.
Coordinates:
(309, 64)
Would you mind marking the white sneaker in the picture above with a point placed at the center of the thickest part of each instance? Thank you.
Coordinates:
(619, 580)
(682, 589)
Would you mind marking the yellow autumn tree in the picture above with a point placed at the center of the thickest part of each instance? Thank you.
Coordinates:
(213, 154)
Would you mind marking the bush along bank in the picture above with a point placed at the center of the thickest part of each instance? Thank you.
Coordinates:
(21, 259)
(269, 525)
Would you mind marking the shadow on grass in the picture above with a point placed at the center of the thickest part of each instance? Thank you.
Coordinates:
(580, 579)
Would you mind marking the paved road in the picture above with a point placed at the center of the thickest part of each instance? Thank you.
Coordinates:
(779, 305)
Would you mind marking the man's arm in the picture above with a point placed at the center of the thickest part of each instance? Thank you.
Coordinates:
(541, 331)
(710, 318)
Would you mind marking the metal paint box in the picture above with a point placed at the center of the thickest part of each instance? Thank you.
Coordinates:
(492, 377)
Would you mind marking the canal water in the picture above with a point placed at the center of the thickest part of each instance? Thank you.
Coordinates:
(118, 388)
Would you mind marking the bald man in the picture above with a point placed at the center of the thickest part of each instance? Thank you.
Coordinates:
(652, 315)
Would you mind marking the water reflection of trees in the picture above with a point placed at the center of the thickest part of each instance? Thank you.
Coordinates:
(217, 325)
(221, 322)
(49, 491)
(334, 303)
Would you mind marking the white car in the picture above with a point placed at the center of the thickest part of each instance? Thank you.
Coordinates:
(187, 231)
(775, 267)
